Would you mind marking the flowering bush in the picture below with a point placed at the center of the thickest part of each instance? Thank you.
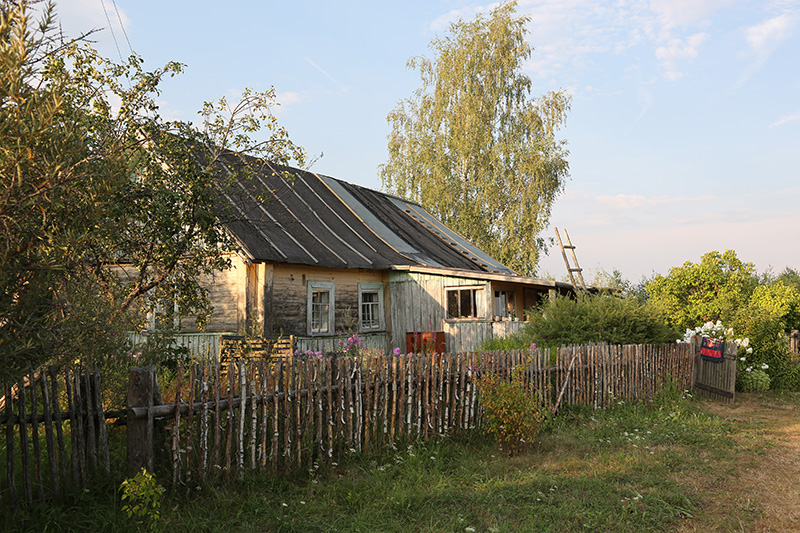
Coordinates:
(514, 414)
(351, 346)
(744, 363)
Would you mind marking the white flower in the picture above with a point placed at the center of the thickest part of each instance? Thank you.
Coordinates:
(748, 369)
(469, 528)
(764, 366)
(741, 359)
(749, 350)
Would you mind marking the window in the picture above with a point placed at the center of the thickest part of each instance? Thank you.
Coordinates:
(503, 303)
(321, 310)
(370, 307)
(464, 302)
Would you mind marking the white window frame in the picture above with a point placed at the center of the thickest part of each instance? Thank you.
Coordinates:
(371, 288)
(321, 286)
(479, 301)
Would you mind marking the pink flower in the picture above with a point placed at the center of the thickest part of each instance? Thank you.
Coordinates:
(397, 351)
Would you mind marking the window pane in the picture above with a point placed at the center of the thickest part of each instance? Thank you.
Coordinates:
(320, 306)
(467, 302)
(452, 304)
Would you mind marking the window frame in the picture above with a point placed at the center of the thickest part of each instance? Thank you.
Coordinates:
(510, 298)
(376, 288)
(318, 286)
(478, 301)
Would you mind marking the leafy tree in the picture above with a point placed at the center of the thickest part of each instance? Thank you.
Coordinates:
(472, 147)
(104, 206)
(713, 289)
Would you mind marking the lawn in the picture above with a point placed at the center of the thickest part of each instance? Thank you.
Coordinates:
(665, 465)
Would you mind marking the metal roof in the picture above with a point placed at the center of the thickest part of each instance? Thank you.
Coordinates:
(287, 215)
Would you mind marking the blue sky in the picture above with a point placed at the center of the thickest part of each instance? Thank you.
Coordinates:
(684, 132)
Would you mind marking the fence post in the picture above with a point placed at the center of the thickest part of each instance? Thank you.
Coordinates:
(142, 389)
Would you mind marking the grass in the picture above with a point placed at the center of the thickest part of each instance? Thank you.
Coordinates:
(643, 467)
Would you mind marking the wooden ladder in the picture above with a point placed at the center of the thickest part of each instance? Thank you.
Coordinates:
(570, 269)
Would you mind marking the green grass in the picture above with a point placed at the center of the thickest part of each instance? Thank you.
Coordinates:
(629, 468)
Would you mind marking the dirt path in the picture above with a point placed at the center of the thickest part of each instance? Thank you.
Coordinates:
(770, 487)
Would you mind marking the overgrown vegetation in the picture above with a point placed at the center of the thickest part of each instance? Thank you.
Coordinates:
(591, 319)
(764, 309)
(106, 208)
(513, 412)
(653, 466)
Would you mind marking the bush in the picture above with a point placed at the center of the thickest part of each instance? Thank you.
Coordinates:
(514, 414)
(598, 318)
(770, 347)
(753, 381)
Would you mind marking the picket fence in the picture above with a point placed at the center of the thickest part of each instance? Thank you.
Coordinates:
(287, 414)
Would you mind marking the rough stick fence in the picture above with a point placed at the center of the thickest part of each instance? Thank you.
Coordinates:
(55, 434)
(292, 413)
(287, 414)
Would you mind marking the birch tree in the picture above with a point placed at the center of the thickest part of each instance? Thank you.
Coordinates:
(473, 146)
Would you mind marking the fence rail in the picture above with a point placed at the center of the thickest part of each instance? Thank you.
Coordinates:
(67, 426)
(291, 413)
(285, 414)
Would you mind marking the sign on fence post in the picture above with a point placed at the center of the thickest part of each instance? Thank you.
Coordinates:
(142, 389)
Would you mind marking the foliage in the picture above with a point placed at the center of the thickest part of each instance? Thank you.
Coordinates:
(514, 413)
(770, 346)
(778, 300)
(142, 495)
(710, 290)
(754, 381)
(635, 467)
(472, 148)
(102, 200)
(597, 318)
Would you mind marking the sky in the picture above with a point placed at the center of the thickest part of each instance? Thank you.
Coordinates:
(684, 129)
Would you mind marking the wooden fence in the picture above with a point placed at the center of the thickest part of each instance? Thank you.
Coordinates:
(286, 414)
(67, 426)
(289, 414)
(716, 379)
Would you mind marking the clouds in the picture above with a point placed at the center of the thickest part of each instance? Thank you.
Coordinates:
(764, 38)
(786, 120)
(676, 50)
(641, 234)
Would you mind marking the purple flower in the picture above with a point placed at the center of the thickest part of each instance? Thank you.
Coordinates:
(397, 351)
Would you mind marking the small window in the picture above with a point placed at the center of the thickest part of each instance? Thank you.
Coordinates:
(463, 302)
(370, 307)
(321, 310)
(503, 303)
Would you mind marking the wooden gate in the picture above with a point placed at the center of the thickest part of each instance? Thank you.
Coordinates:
(715, 379)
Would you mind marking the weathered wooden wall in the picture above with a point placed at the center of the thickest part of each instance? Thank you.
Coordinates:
(288, 305)
(469, 336)
(418, 304)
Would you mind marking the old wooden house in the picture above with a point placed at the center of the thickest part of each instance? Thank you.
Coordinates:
(321, 259)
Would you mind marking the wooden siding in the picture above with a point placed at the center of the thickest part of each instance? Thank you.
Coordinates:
(464, 337)
(290, 294)
(418, 304)
(227, 292)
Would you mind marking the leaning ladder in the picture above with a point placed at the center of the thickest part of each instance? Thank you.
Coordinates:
(570, 269)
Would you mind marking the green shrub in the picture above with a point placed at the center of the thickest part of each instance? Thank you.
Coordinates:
(597, 318)
(142, 496)
(514, 414)
(753, 381)
(770, 346)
